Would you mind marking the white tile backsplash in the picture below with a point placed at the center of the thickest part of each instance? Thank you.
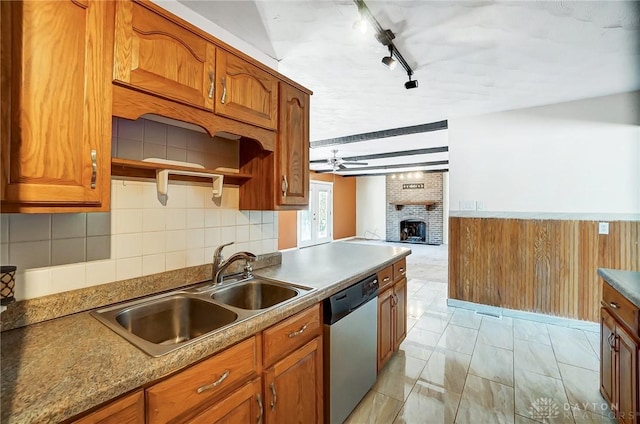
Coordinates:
(146, 237)
(195, 218)
(128, 245)
(153, 264)
(100, 272)
(128, 268)
(176, 219)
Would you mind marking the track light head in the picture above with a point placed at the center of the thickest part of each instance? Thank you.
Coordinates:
(389, 61)
(411, 83)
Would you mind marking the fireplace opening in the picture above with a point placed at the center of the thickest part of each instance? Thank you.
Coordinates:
(413, 231)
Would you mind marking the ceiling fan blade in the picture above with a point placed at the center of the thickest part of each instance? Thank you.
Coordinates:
(318, 161)
(355, 163)
(341, 166)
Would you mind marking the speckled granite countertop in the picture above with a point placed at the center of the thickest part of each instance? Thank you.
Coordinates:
(626, 282)
(57, 369)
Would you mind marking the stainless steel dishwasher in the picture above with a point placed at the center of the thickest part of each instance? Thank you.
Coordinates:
(350, 347)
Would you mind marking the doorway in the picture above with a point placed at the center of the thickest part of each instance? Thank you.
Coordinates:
(315, 224)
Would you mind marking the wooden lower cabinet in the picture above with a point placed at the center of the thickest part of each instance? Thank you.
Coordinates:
(392, 321)
(245, 405)
(126, 410)
(619, 368)
(293, 389)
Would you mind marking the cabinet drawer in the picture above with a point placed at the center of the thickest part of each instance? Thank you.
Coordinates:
(399, 269)
(620, 307)
(385, 278)
(291, 333)
(126, 410)
(201, 383)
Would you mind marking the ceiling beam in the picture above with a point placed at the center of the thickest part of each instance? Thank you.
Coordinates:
(415, 129)
(430, 171)
(391, 154)
(394, 166)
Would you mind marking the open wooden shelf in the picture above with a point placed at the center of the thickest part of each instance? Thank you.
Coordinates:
(427, 204)
(140, 169)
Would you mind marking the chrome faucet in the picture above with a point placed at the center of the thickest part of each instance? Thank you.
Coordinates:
(220, 265)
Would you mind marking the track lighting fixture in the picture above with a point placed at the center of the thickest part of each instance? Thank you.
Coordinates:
(386, 37)
(389, 61)
(410, 84)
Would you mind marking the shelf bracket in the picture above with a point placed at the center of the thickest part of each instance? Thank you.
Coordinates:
(162, 181)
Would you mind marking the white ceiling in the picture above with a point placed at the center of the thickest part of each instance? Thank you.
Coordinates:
(470, 58)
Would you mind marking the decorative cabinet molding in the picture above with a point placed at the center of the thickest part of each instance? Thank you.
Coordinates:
(293, 146)
(245, 92)
(154, 54)
(56, 106)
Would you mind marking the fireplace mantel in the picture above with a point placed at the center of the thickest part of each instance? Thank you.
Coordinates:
(428, 204)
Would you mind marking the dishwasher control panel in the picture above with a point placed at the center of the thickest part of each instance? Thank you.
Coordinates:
(349, 299)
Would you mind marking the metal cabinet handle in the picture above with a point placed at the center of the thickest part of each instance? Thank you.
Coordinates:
(401, 270)
(297, 333)
(274, 399)
(224, 90)
(285, 186)
(260, 408)
(614, 305)
(386, 279)
(215, 383)
(610, 341)
(94, 168)
(212, 85)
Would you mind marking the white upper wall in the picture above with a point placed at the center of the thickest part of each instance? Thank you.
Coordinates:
(222, 34)
(574, 157)
(371, 207)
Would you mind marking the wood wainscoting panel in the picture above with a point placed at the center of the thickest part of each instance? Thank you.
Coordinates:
(537, 265)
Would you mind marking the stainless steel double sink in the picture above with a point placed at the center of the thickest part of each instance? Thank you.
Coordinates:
(163, 323)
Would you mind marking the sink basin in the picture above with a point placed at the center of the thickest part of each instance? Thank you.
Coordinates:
(161, 325)
(255, 294)
(174, 319)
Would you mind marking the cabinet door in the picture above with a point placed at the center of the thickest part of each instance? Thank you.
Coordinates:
(386, 322)
(245, 92)
(607, 356)
(293, 387)
(627, 376)
(400, 310)
(128, 410)
(242, 406)
(159, 56)
(293, 146)
(56, 117)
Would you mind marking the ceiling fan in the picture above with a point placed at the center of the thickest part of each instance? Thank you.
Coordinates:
(336, 163)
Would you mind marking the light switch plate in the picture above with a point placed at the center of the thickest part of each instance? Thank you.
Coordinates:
(603, 228)
(479, 205)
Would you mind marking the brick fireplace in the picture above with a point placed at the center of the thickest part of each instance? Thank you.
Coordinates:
(415, 208)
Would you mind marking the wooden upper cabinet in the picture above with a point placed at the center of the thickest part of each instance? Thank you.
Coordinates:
(56, 106)
(293, 146)
(158, 56)
(245, 92)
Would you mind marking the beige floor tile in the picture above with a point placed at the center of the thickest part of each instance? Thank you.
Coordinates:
(540, 397)
(446, 370)
(492, 363)
(586, 417)
(523, 420)
(432, 322)
(410, 323)
(428, 404)
(572, 347)
(427, 294)
(485, 401)
(498, 320)
(440, 305)
(466, 318)
(594, 341)
(583, 388)
(375, 408)
(531, 331)
(419, 343)
(458, 338)
(416, 308)
(535, 357)
(496, 334)
(413, 285)
(399, 376)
